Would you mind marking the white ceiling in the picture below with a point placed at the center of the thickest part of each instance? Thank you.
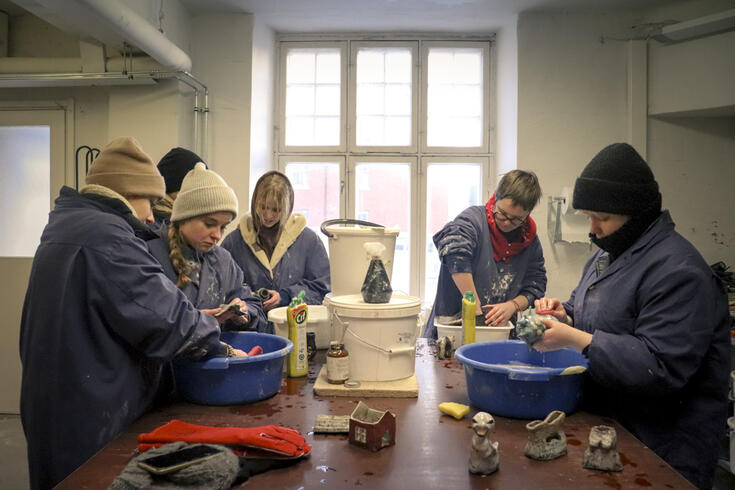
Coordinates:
(397, 15)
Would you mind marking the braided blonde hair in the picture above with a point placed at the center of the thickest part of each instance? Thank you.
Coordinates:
(182, 267)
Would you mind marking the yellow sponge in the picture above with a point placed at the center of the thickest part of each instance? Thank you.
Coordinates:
(456, 410)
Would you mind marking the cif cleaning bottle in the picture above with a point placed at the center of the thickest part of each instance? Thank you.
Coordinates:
(468, 317)
(298, 315)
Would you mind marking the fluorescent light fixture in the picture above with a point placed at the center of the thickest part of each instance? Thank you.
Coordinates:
(702, 26)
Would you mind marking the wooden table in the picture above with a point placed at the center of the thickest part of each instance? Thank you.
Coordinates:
(431, 451)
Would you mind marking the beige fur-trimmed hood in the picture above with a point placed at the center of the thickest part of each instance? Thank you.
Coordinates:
(291, 231)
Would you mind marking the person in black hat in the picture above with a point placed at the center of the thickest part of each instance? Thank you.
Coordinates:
(651, 317)
(173, 167)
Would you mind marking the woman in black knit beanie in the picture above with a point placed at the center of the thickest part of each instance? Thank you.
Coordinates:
(650, 315)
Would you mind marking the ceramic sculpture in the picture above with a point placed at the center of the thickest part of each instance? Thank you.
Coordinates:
(445, 347)
(546, 438)
(530, 328)
(484, 457)
(602, 454)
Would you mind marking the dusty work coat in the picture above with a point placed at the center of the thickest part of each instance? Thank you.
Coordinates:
(99, 321)
(659, 357)
(220, 280)
(464, 245)
(299, 260)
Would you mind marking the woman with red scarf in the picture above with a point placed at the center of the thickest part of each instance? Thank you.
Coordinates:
(494, 252)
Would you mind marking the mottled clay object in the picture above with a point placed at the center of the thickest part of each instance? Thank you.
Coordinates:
(602, 454)
(530, 328)
(546, 438)
(445, 347)
(484, 457)
(376, 288)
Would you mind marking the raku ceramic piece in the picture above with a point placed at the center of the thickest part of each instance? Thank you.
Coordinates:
(376, 287)
(530, 328)
(602, 454)
(332, 424)
(484, 457)
(546, 438)
(372, 429)
(445, 347)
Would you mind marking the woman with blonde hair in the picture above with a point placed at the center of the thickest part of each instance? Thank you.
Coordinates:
(191, 258)
(275, 249)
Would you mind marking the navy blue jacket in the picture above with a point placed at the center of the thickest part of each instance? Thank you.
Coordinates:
(659, 361)
(99, 321)
(220, 281)
(464, 245)
(299, 261)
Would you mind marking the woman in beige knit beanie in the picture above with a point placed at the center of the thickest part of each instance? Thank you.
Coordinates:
(192, 259)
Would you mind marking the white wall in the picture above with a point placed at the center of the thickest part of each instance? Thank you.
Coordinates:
(222, 47)
(506, 121)
(261, 117)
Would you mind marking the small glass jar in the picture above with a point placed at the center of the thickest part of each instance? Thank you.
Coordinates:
(338, 363)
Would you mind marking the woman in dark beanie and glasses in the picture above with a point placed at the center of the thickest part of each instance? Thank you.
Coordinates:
(173, 166)
(650, 315)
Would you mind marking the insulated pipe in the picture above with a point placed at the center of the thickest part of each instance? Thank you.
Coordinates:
(139, 32)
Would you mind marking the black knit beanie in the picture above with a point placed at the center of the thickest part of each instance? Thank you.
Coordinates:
(617, 181)
(175, 165)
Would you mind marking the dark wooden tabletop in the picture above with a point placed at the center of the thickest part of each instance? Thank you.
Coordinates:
(431, 451)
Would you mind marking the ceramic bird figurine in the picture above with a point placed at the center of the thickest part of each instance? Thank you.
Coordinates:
(484, 457)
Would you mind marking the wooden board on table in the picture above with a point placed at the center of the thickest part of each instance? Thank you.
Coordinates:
(399, 388)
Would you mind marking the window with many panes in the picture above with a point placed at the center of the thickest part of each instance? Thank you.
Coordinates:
(394, 132)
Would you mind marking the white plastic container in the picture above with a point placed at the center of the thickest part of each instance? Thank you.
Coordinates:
(731, 425)
(318, 322)
(348, 260)
(381, 338)
(482, 333)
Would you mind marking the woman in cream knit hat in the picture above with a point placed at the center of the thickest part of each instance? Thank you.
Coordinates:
(100, 319)
(191, 258)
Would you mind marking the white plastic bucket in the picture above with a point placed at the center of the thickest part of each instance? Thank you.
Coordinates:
(348, 260)
(482, 333)
(381, 338)
(318, 322)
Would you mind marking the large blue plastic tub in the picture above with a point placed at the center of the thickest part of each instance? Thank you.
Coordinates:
(235, 380)
(498, 383)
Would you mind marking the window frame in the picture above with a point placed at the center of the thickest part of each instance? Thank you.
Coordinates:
(284, 160)
(283, 48)
(355, 46)
(488, 74)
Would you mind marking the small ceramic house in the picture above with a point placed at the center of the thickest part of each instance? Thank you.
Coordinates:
(372, 429)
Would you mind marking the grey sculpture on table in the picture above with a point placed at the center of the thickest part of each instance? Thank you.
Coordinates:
(546, 438)
(484, 457)
(602, 454)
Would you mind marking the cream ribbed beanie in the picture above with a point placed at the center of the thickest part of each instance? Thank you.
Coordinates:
(203, 192)
(125, 168)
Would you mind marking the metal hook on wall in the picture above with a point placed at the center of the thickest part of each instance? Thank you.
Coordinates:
(89, 157)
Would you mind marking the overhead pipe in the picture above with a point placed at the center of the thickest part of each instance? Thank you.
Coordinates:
(137, 31)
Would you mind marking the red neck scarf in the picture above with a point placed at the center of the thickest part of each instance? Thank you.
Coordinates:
(502, 249)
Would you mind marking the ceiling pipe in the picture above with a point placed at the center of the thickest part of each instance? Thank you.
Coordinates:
(138, 32)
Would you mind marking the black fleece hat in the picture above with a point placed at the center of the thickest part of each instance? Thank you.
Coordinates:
(175, 165)
(618, 181)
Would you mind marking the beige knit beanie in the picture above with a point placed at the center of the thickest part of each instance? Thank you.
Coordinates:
(203, 192)
(125, 168)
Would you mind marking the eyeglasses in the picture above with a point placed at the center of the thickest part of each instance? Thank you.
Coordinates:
(501, 215)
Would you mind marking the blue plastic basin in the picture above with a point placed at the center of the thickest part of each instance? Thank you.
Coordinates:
(499, 384)
(235, 380)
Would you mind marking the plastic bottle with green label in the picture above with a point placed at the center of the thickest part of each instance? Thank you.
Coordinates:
(298, 316)
(468, 317)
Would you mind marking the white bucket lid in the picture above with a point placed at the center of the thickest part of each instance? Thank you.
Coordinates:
(353, 305)
(359, 230)
(316, 313)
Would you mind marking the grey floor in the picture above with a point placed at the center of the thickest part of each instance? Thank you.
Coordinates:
(14, 468)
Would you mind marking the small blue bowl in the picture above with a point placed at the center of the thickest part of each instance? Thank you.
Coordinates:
(235, 380)
(498, 382)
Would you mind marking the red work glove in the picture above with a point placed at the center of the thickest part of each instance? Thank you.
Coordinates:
(273, 438)
(255, 351)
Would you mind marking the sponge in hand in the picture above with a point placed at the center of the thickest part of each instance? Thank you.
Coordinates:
(456, 410)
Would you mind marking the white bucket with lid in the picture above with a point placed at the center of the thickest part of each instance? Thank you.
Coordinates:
(348, 259)
(380, 338)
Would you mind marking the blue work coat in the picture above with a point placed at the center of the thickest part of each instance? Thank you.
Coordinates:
(464, 245)
(299, 261)
(220, 280)
(659, 361)
(99, 321)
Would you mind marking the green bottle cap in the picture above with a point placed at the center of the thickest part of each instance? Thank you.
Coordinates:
(469, 296)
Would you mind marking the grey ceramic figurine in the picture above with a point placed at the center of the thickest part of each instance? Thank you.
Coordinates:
(546, 438)
(484, 457)
(603, 451)
(445, 347)
(530, 328)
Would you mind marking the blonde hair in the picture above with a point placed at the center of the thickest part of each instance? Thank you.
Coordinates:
(182, 267)
(273, 187)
